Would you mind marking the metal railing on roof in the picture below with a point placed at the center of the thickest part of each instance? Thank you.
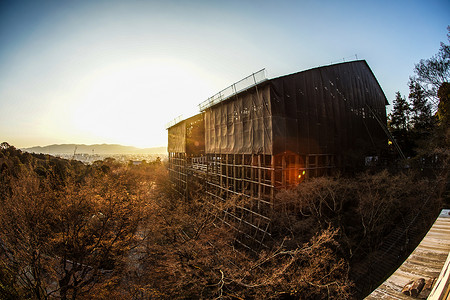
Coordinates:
(242, 85)
(174, 121)
(237, 87)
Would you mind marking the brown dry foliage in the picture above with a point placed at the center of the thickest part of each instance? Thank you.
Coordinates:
(121, 232)
(188, 253)
(60, 238)
(364, 208)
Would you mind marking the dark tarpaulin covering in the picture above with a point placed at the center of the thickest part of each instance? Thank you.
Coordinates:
(324, 110)
(177, 138)
(195, 135)
(241, 124)
(319, 111)
(188, 136)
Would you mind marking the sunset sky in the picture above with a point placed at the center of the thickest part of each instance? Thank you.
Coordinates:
(117, 71)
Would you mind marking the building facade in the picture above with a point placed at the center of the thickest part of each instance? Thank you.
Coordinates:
(250, 141)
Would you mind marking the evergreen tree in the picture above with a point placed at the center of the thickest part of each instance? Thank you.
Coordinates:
(399, 124)
(399, 120)
(421, 116)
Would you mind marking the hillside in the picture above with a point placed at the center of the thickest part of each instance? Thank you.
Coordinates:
(94, 149)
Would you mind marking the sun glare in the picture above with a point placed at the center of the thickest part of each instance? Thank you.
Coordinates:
(117, 103)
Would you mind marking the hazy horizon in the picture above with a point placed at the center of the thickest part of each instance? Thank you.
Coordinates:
(116, 72)
(84, 144)
(81, 144)
(95, 149)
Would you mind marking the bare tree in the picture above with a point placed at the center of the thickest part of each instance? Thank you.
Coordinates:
(62, 241)
(433, 72)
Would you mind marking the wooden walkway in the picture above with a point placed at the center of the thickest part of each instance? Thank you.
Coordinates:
(426, 262)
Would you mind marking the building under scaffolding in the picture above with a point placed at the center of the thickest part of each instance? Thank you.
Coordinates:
(260, 135)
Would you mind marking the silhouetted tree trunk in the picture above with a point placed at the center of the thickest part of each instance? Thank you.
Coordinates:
(444, 105)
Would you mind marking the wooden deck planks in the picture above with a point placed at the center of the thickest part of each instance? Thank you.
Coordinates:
(426, 262)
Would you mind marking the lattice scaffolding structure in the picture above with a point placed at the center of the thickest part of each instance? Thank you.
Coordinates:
(261, 135)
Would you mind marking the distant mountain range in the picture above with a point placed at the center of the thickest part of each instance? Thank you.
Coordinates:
(94, 149)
